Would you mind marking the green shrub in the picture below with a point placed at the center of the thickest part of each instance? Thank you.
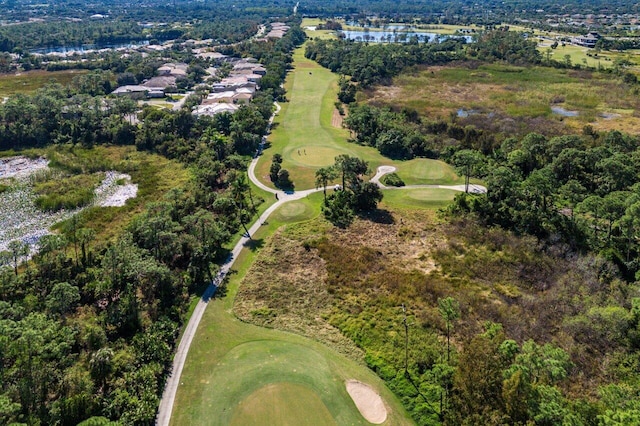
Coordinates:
(392, 179)
(66, 193)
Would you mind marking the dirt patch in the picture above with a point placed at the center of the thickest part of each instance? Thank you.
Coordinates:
(336, 119)
(368, 401)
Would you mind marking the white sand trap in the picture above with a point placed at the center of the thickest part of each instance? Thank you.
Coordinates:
(368, 401)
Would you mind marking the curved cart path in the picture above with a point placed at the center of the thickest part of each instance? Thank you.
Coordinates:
(383, 170)
(171, 387)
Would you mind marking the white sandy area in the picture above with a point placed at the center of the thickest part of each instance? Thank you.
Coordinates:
(110, 194)
(368, 401)
(20, 166)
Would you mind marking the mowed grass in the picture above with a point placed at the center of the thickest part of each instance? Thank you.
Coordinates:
(578, 55)
(305, 137)
(314, 22)
(516, 92)
(424, 171)
(303, 134)
(298, 210)
(237, 372)
(265, 406)
(30, 81)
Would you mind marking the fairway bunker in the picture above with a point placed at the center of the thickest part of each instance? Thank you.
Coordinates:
(368, 401)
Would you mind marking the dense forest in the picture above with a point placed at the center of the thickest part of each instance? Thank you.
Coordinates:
(87, 327)
(27, 36)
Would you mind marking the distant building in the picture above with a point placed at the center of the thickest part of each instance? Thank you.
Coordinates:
(173, 69)
(139, 91)
(161, 82)
(214, 109)
(219, 97)
(278, 30)
(131, 90)
(588, 40)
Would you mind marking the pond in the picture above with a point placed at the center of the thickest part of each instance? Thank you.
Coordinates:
(84, 48)
(397, 36)
(610, 115)
(564, 112)
(466, 112)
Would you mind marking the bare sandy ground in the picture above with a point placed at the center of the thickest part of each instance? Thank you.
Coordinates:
(336, 119)
(368, 401)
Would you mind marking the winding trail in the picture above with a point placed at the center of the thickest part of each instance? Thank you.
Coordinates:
(171, 387)
(166, 403)
(383, 170)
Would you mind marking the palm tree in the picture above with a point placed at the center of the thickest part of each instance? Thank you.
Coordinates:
(325, 175)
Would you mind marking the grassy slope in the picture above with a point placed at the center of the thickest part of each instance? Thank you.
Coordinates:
(263, 407)
(418, 198)
(230, 360)
(220, 373)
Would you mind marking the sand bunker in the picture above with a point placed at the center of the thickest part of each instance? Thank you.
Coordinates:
(368, 401)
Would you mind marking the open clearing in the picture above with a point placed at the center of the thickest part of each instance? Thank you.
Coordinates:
(240, 373)
(30, 190)
(433, 198)
(30, 81)
(515, 100)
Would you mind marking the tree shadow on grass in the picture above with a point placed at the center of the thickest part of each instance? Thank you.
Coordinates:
(378, 216)
(221, 291)
(254, 245)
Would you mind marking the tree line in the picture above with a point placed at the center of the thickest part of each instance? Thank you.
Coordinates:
(581, 189)
(369, 64)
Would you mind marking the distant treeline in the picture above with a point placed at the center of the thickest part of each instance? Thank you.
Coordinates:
(35, 35)
(369, 64)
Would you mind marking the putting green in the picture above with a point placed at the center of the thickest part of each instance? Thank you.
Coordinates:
(426, 171)
(429, 198)
(292, 210)
(272, 366)
(282, 404)
(297, 211)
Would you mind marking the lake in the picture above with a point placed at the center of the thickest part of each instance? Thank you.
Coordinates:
(83, 48)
